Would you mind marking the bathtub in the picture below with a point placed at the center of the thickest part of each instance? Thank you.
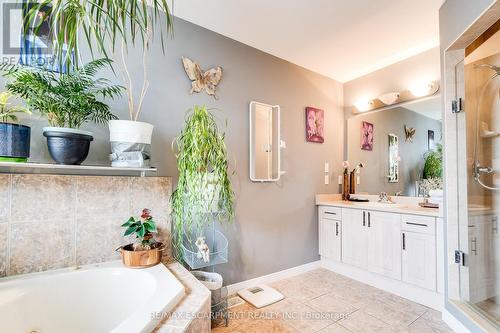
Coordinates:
(92, 299)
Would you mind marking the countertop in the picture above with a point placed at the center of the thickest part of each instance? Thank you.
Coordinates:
(403, 205)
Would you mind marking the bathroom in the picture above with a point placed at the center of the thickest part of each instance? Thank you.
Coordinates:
(352, 165)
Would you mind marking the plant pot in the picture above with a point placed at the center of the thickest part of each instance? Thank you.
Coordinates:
(130, 143)
(141, 259)
(67, 145)
(14, 142)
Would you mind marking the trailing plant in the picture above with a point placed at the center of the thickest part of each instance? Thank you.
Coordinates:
(143, 230)
(102, 23)
(433, 166)
(204, 188)
(7, 111)
(67, 99)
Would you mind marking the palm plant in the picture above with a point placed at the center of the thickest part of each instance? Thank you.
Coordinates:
(66, 100)
(8, 112)
(103, 23)
(204, 186)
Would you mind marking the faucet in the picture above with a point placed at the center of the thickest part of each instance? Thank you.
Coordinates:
(384, 198)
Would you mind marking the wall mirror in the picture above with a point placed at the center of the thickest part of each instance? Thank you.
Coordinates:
(393, 145)
(264, 142)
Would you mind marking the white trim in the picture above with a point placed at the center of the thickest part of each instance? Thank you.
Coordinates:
(235, 287)
(413, 293)
(453, 323)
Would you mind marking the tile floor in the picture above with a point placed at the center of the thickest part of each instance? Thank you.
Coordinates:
(326, 302)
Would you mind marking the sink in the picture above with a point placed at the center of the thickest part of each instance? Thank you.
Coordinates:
(379, 204)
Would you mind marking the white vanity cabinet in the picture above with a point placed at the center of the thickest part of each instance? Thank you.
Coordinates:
(330, 232)
(392, 245)
(419, 251)
(371, 240)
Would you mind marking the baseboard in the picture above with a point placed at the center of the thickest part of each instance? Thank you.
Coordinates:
(234, 288)
(413, 293)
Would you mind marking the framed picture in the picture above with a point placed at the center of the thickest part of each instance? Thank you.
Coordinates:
(315, 120)
(431, 145)
(366, 136)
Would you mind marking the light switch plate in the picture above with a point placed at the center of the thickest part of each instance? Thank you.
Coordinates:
(327, 167)
(327, 179)
(339, 180)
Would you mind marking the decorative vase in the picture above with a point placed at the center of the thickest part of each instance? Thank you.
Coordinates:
(14, 142)
(68, 146)
(130, 143)
(143, 258)
(345, 187)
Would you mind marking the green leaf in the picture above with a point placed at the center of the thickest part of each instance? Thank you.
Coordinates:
(129, 222)
(130, 230)
(141, 231)
(150, 226)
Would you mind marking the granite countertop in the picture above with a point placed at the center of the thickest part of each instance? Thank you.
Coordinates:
(403, 205)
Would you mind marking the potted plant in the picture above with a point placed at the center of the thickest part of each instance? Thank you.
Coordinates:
(14, 138)
(146, 252)
(204, 187)
(117, 21)
(67, 100)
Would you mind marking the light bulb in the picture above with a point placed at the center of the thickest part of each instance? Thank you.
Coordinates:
(422, 88)
(364, 105)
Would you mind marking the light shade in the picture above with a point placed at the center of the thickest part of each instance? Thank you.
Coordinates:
(389, 98)
(422, 88)
(364, 105)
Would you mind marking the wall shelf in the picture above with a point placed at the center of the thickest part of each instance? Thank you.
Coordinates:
(60, 169)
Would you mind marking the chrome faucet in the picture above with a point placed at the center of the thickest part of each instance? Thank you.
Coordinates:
(384, 198)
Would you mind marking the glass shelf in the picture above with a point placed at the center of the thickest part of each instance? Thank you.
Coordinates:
(60, 169)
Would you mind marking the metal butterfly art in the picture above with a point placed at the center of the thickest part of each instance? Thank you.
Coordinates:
(202, 80)
(410, 133)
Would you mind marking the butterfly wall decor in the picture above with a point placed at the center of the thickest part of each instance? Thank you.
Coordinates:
(202, 80)
(409, 133)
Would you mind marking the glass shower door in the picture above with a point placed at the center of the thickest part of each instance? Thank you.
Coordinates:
(479, 236)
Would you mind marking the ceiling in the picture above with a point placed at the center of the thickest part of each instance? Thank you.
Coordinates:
(341, 39)
(429, 107)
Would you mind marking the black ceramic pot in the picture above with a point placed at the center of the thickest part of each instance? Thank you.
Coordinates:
(67, 145)
(14, 142)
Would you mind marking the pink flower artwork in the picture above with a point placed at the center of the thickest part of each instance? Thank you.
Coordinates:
(315, 125)
(366, 136)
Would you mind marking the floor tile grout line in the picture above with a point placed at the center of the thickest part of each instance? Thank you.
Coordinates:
(418, 317)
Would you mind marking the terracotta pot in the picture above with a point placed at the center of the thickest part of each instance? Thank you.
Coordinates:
(141, 259)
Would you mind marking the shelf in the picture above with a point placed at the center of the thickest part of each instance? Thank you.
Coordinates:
(52, 168)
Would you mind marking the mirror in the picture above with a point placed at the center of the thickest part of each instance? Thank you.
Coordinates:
(392, 144)
(264, 142)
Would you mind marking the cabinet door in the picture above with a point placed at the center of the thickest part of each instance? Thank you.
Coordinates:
(384, 244)
(329, 238)
(419, 259)
(354, 237)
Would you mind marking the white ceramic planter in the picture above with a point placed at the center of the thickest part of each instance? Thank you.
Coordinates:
(130, 143)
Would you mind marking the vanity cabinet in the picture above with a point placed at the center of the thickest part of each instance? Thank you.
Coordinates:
(419, 251)
(371, 240)
(391, 244)
(330, 232)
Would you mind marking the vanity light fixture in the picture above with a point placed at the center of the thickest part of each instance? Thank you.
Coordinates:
(389, 98)
(364, 105)
(418, 90)
(423, 88)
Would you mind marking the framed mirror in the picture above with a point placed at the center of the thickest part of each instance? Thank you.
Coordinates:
(264, 142)
(393, 145)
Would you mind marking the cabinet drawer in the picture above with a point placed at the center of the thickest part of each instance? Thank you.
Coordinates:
(420, 224)
(330, 213)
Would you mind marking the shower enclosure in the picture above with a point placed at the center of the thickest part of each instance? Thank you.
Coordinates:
(479, 237)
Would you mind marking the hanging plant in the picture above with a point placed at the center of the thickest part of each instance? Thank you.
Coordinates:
(204, 188)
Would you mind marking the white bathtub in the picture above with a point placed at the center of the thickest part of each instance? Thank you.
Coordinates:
(93, 299)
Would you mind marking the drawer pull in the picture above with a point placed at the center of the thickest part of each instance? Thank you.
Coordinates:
(364, 219)
(404, 241)
(419, 224)
(369, 219)
(336, 228)
(331, 213)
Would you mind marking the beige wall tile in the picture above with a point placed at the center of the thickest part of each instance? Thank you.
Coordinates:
(41, 246)
(4, 197)
(102, 196)
(3, 248)
(97, 239)
(150, 192)
(42, 197)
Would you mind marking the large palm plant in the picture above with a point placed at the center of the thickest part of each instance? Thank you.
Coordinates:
(66, 100)
(102, 22)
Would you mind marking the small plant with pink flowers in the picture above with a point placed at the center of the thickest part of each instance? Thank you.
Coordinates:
(143, 229)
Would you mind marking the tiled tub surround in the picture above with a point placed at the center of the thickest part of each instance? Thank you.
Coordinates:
(53, 221)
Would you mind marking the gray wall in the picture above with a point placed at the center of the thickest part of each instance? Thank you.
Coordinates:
(276, 224)
(376, 162)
